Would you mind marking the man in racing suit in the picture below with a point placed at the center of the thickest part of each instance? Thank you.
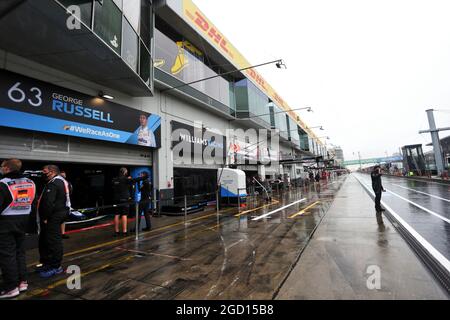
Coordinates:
(146, 137)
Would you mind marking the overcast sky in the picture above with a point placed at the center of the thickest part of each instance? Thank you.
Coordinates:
(369, 69)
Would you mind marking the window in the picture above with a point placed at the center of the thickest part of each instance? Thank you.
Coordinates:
(252, 100)
(108, 24)
(118, 4)
(146, 23)
(145, 64)
(132, 11)
(182, 60)
(130, 46)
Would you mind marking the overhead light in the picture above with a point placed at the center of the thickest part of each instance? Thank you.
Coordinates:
(281, 65)
(105, 96)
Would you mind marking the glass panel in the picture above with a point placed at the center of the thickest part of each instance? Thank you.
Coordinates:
(108, 24)
(85, 9)
(294, 131)
(280, 120)
(166, 52)
(130, 46)
(146, 23)
(304, 142)
(272, 115)
(241, 93)
(145, 64)
(185, 62)
(118, 3)
(250, 99)
(132, 11)
(232, 96)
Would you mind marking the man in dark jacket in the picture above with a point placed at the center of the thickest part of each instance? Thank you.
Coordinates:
(377, 187)
(122, 195)
(17, 195)
(122, 192)
(53, 208)
(146, 194)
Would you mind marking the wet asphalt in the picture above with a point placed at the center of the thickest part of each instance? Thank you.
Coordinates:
(425, 206)
(233, 255)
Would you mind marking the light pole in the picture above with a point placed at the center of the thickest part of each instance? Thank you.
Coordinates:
(359, 157)
(436, 143)
(268, 114)
(324, 137)
(279, 63)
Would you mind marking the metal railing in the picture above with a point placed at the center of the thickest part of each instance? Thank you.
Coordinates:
(186, 203)
(156, 208)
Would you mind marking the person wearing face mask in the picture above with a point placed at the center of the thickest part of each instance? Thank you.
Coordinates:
(17, 195)
(53, 208)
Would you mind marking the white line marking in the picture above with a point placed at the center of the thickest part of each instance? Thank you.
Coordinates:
(434, 182)
(420, 207)
(433, 196)
(277, 210)
(432, 250)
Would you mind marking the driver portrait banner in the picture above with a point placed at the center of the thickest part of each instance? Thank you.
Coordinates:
(30, 104)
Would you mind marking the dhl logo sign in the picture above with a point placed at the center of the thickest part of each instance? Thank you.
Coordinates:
(203, 24)
(199, 21)
(209, 31)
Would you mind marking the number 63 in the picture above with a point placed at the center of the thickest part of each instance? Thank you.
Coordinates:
(16, 91)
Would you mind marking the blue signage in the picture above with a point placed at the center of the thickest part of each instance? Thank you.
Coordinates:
(30, 104)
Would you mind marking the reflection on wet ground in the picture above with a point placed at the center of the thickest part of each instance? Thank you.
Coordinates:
(358, 254)
(226, 256)
(425, 206)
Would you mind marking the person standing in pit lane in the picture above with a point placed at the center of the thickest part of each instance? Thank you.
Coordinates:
(144, 204)
(53, 208)
(122, 196)
(377, 187)
(17, 199)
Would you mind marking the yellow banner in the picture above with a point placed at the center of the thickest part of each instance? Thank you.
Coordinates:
(193, 15)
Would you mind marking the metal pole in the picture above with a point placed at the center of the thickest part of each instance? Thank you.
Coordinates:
(154, 202)
(359, 157)
(436, 143)
(137, 220)
(159, 204)
(217, 206)
(239, 201)
(217, 200)
(185, 209)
